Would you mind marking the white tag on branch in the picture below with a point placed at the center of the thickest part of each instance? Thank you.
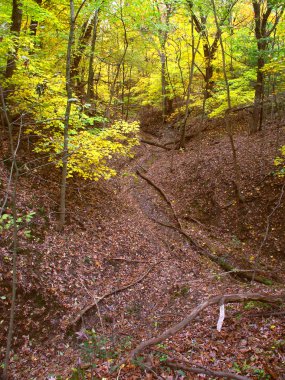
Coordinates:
(221, 318)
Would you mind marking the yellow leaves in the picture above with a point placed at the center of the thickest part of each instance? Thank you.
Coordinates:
(89, 153)
(280, 162)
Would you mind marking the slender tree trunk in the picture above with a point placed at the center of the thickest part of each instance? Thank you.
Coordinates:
(113, 85)
(34, 24)
(90, 81)
(15, 30)
(62, 211)
(263, 29)
(163, 85)
(14, 178)
(191, 74)
(259, 91)
(79, 54)
(129, 94)
(228, 125)
(123, 89)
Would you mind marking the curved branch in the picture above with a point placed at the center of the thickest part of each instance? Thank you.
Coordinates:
(216, 300)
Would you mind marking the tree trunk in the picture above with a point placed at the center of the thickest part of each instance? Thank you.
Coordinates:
(118, 69)
(62, 210)
(163, 85)
(15, 30)
(34, 24)
(79, 54)
(90, 81)
(189, 88)
(256, 124)
(13, 180)
(263, 28)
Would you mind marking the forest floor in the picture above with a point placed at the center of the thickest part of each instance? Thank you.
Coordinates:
(124, 233)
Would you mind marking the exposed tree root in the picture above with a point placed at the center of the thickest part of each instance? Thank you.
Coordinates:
(74, 321)
(225, 265)
(216, 300)
(204, 370)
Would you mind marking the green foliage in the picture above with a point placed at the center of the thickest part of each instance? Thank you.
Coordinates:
(7, 222)
(241, 91)
(280, 162)
(90, 151)
(248, 368)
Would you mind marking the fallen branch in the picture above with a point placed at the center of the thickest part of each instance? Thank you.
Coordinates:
(243, 274)
(109, 294)
(228, 298)
(204, 370)
(158, 189)
(154, 144)
(127, 260)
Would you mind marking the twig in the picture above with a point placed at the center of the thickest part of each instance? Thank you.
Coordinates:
(127, 260)
(97, 306)
(109, 294)
(267, 228)
(154, 144)
(228, 298)
(204, 370)
(202, 251)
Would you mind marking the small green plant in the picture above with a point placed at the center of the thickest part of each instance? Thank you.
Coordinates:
(245, 367)
(236, 242)
(255, 304)
(261, 374)
(7, 222)
(96, 348)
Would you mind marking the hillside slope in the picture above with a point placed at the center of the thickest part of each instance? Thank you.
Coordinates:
(120, 235)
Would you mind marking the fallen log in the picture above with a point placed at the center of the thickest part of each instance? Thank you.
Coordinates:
(216, 300)
(154, 144)
(204, 371)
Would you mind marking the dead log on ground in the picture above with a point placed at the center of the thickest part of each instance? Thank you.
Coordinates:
(204, 371)
(216, 300)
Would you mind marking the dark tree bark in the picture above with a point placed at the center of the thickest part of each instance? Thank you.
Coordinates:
(79, 53)
(163, 35)
(62, 210)
(34, 24)
(118, 66)
(237, 179)
(90, 81)
(263, 29)
(12, 181)
(209, 48)
(15, 30)
(189, 88)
